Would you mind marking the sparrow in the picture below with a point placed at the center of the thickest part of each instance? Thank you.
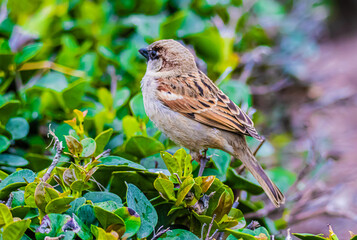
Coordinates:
(194, 113)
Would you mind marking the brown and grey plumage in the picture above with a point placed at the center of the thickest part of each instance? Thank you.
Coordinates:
(193, 112)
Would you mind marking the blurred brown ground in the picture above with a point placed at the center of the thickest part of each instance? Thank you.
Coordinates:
(331, 122)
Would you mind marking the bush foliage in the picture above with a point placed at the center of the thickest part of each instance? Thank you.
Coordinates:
(70, 77)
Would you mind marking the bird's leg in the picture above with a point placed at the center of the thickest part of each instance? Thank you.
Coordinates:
(203, 161)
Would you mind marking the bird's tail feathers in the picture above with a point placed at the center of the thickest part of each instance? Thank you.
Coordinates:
(273, 192)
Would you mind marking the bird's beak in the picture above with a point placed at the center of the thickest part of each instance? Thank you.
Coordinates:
(144, 52)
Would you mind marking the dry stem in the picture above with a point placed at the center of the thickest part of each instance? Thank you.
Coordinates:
(59, 149)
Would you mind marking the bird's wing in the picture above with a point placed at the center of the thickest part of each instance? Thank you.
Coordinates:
(197, 97)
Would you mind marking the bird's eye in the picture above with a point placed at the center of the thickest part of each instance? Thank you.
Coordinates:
(153, 54)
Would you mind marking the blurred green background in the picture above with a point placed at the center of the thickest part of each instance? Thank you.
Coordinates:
(58, 55)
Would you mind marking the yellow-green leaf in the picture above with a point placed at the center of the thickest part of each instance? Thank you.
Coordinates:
(5, 215)
(185, 187)
(59, 205)
(166, 188)
(16, 230)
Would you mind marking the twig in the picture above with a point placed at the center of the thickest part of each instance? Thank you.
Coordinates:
(100, 186)
(9, 201)
(288, 236)
(241, 168)
(103, 154)
(160, 232)
(261, 90)
(253, 225)
(178, 178)
(224, 75)
(202, 230)
(257, 149)
(59, 149)
(261, 213)
(113, 81)
(209, 229)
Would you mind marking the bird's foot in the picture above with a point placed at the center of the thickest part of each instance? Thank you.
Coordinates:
(203, 161)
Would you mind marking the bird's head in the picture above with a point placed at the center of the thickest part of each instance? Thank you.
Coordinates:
(168, 56)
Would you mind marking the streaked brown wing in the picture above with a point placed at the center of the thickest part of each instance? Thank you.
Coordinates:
(195, 96)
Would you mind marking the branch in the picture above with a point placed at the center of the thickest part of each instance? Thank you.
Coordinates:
(105, 153)
(208, 230)
(9, 201)
(160, 232)
(241, 168)
(59, 149)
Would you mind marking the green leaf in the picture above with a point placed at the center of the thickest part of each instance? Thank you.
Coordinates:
(84, 233)
(283, 178)
(19, 198)
(53, 80)
(18, 127)
(185, 187)
(112, 164)
(107, 54)
(139, 203)
(237, 91)
(178, 234)
(308, 236)
(16, 230)
(143, 179)
(86, 214)
(4, 192)
(89, 147)
(235, 181)
(166, 188)
(234, 220)
(3, 175)
(28, 52)
(97, 197)
(21, 212)
(44, 194)
(12, 160)
(110, 206)
(240, 235)
(131, 127)
(121, 97)
(205, 219)
(5, 215)
(257, 232)
(171, 163)
(73, 94)
(101, 234)
(59, 205)
(30, 195)
(79, 186)
(119, 163)
(75, 204)
(221, 159)
(4, 143)
(137, 106)
(51, 226)
(14, 181)
(184, 161)
(169, 27)
(102, 139)
(107, 218)
(142, 146)
(105, 98)
(224, 204)
(8, 109)
(132, 221)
